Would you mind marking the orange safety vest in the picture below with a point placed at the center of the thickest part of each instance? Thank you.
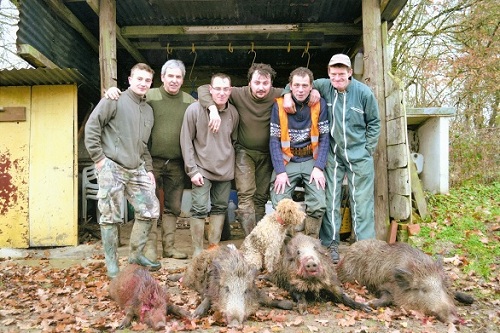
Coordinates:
(285, 136)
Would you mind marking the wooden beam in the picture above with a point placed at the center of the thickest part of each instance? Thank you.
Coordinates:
(67, 16)
(34, 57)
(107, 49)
(157, 31)
(157, 45)
(94, 4)
(374, 78)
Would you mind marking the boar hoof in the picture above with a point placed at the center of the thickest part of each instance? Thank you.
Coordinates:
(285, 304)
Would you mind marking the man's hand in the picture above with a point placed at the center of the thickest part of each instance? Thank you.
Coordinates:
(281, 182)
(112, 93)
(288, 104)
(152, 177)
(100, 164)
(314, 97)
(215, 121)
(197, 180)
(318, 177)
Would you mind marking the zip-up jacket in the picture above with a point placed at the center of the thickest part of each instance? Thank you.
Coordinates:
(120, 130)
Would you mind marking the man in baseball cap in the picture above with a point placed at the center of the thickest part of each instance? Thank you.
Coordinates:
(354, 121)
(340, 59)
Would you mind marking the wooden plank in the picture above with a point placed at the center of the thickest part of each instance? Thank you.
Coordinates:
(107, 49)
(374, 77)
(53, 192)
(400, 207)
(34, 57)
(12, 113)
(397, 156)
(399, 182)
(14, 171)
(418, 191)
(396, 131)
(158, 31)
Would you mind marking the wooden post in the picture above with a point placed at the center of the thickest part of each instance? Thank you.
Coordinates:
(107, 44)
(374, 78)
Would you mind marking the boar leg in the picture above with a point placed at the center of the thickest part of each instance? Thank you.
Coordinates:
(346, 300)
(202, 309)
(464, 298)
(336, 294)
(127, 320)
(300, 298)
(267, 301)
(178, 311)
(385, 299)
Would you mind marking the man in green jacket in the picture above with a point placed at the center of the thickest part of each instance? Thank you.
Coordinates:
(169, 104)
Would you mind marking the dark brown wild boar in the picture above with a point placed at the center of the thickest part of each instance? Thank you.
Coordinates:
(307, 273)
(226, 283)
(141, 296)
(402, 275)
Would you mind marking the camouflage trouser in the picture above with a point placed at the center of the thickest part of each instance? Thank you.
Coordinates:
(115, 182)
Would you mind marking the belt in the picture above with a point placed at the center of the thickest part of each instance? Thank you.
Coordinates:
(302, 152)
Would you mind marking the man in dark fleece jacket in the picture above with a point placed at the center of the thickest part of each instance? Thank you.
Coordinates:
(116, 137)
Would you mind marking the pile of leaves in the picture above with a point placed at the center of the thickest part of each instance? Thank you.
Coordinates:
(41, 298)
(37, 295)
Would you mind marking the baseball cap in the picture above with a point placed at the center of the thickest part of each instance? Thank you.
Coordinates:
(340, 59)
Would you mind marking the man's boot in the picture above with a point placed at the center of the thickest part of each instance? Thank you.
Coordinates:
(215, 229)
(197, 227)
(151, 247)
(138, 238)
(312, 226)
(109, 238)
(247, 221)
(334, 251)
(168, 226)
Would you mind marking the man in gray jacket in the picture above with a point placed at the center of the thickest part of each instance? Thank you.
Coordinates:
(209, 161)
(116, 137)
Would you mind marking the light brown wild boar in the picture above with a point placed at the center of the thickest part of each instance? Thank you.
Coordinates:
(226, 283)
(402, 275)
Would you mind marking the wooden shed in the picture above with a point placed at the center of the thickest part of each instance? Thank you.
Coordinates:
(104, 38)
(38, 160)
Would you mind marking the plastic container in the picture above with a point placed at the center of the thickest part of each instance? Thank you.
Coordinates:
(231, 214)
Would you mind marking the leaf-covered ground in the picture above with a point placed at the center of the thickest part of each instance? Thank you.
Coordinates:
(38, 297)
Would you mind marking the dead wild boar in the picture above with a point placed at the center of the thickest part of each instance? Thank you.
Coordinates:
(141, 296)
(307, 273)
(226, 283)
(402, 275)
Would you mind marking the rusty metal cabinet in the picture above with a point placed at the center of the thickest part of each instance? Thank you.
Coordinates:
(38, 167)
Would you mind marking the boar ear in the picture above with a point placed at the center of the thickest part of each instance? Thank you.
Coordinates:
(402, 277)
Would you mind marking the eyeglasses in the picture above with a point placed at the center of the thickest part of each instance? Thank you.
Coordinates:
(219, 89)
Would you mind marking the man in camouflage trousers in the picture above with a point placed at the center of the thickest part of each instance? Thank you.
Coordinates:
(116, 137)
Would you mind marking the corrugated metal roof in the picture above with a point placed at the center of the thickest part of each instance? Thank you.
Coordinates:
(40, 76)
(50, 33)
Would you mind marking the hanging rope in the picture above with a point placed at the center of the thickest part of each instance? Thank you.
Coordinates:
(169, 50)
(306, 51)
(193, 50)
(254, 53)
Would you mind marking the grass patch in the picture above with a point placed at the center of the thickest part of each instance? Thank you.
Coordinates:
(465, 223)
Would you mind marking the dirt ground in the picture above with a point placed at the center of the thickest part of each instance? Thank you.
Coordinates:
(103, 315)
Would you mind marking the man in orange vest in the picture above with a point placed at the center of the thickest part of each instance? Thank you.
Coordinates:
(299, 148)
